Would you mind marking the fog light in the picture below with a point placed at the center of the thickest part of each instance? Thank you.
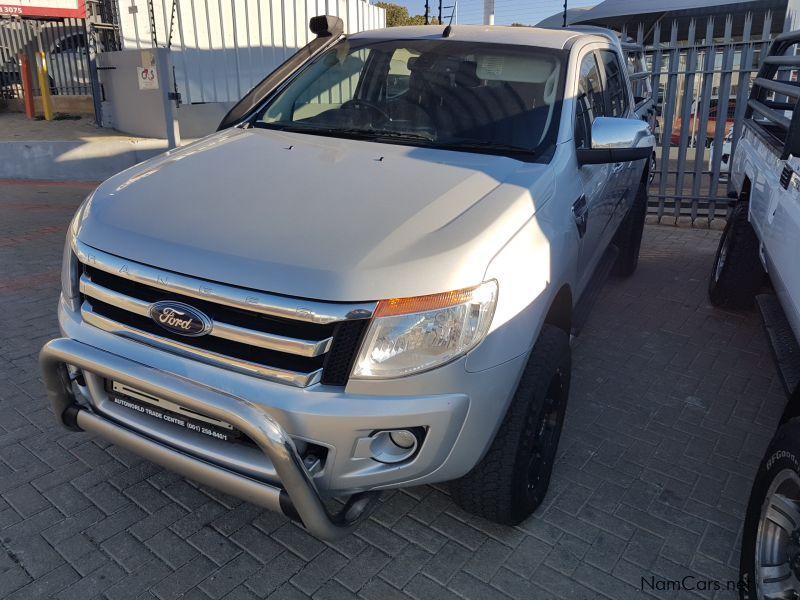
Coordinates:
(403, 438)
(393, 446)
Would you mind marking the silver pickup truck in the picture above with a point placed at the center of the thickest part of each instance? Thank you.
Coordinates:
(367, 279)
(759, 249)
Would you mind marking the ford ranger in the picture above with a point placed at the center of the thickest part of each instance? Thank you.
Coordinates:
(367, 278)
(760, 246)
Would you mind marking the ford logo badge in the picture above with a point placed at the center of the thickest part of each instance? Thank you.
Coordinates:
(180, 318)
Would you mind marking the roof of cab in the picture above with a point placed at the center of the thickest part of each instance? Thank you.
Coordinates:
(522, 36)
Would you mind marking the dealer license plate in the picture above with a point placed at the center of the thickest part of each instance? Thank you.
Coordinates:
(169, 412)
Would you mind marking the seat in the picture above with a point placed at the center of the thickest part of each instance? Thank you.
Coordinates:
(407, 108)
(497, 112)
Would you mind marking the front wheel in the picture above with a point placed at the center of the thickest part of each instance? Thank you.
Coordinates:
(770, 563)
(509, 482)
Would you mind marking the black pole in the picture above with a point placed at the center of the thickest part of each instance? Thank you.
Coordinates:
(427, 13)
(440, 12)
(565, 13)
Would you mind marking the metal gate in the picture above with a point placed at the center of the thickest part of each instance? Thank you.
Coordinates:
(701, 75)
(64, 43)
(68, 44)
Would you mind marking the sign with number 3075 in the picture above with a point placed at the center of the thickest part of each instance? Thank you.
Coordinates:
(148, 78)
(44, 8)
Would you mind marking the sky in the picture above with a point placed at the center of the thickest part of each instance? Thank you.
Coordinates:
(528, 12)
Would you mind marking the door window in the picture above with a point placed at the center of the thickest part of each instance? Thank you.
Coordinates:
(590, 102)
(335, 84)
(616, 90)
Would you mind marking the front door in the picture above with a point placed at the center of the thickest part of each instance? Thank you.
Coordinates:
(592, 210)
(622, 191)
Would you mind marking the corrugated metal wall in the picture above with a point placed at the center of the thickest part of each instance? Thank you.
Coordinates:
(221, 48)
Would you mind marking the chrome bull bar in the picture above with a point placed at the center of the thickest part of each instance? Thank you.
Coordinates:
(297, 496)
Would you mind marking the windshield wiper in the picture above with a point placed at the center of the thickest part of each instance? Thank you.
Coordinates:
(292, 127)
(348, 131)
(483, 146)
(375, 133)
(400, 136)
(403, 135)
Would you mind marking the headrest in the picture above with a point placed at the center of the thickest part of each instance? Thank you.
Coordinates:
(467, 76)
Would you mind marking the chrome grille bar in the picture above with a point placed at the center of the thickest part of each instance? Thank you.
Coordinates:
(242, 366)
(269, 341)
(309, 311)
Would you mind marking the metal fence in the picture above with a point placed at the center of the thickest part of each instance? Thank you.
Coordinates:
(221, 48)
(702, 77)
(67, 45)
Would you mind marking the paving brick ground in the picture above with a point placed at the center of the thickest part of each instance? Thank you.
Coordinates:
(671, 407)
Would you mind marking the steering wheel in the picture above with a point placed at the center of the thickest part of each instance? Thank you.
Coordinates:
(357, 102)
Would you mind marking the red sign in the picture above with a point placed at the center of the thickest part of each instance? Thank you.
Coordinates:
(75, 9)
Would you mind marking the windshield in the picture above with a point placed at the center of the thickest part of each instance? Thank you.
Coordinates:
(476, 97)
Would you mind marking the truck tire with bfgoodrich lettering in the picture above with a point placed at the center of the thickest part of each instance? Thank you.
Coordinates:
(511, 480)
(770, 563)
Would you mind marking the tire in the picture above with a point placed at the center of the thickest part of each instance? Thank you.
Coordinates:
(737, 274)
(772, 522)
(509, 482)
(628, 238)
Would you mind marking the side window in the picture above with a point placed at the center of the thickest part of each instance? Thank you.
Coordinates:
(334, 86)
(399, 75)
(589, 101)
(616, 90)
(639, 85)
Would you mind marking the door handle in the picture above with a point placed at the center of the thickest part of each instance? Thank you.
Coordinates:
(580, 211)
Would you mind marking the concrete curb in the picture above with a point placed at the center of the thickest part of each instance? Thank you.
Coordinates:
(73, 160)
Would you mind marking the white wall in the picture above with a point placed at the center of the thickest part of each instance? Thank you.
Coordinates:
(221, 48)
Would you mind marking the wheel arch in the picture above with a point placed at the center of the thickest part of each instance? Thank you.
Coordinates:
(560, 312)
(744, 193)
(646, 170)
(792, 408)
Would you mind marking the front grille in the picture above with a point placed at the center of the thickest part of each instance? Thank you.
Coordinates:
(251, 332)
(346, 341)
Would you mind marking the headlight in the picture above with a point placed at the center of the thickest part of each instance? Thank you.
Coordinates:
(409, 335)
(70, 265)
(69, 275)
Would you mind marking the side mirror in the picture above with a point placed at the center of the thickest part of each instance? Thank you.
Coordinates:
(617, 140)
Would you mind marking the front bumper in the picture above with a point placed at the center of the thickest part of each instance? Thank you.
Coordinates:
(296, 495)
(317, 419)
